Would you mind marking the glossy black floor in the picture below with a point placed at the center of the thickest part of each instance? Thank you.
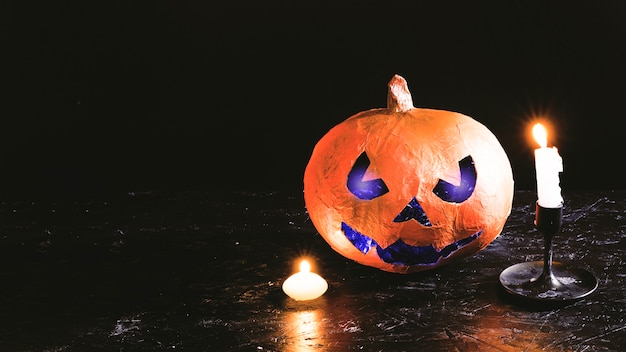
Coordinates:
(201, 271)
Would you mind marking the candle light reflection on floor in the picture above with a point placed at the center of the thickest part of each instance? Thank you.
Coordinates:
(334, 322)
(302, 330)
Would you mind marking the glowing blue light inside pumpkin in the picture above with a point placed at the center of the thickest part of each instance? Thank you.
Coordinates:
(413, 210)
(366, 190)
(401, 253)
(360, 241)
(458, 194)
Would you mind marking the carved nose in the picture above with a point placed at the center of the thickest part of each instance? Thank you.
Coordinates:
(413, 210)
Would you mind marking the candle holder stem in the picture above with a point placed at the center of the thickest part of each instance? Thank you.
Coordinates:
(548, 222)
(547, 275)
(548, 280)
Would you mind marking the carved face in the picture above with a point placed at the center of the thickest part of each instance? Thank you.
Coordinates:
(408, 191)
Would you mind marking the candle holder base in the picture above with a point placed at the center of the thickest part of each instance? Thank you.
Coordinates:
(564, 283)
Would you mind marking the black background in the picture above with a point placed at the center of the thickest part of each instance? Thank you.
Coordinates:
(102, 96)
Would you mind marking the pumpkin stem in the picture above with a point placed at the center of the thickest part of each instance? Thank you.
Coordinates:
(398, 96)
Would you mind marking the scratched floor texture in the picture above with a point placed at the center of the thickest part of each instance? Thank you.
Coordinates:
(201, 271)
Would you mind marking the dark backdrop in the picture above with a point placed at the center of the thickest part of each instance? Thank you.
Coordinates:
(126, 95)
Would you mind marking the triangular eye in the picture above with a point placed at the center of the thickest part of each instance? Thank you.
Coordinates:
(458, 194)
(369, 189)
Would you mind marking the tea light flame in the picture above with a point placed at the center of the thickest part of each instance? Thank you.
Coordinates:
(305, 266)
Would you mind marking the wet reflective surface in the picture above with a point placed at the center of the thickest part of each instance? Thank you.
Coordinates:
(202, 271)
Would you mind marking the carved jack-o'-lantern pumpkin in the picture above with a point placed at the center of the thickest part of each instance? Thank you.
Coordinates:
(406, 189)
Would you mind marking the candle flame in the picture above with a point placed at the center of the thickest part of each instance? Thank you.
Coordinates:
(305, 266)
(541, 135)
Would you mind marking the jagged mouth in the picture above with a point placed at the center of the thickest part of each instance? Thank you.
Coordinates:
(400, 253)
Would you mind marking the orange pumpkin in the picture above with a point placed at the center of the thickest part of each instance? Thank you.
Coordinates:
(407, 189)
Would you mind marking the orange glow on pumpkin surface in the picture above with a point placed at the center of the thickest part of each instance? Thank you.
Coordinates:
(407, 189)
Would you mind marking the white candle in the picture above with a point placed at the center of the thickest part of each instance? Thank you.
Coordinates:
(305, 285)
(548, 165)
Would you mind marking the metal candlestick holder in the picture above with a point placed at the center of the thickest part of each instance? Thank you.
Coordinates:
(548, 281)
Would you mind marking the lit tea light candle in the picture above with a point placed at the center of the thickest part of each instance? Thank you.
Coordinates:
(548, 165)
(305, 285)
